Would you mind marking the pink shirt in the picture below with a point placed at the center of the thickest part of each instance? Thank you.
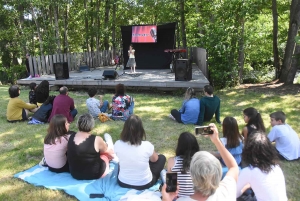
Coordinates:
(55, 154)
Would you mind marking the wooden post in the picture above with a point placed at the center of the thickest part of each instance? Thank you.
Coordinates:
(51, 64)
(43, 72)
(31, 67)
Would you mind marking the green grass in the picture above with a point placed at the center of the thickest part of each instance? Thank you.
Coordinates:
(21, 145)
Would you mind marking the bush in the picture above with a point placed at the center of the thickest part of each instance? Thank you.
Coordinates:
(12, 74)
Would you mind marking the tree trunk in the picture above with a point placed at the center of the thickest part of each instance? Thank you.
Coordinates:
(114, 28)
(86, 22)
(66, 24)
(182, 22)
(38, 29)
(287, 71)
(295, 64)
(198, 21)
(92, 34)
(106, 19)
(241, 53)
(275, 39)
(57, 35)
(98, 25)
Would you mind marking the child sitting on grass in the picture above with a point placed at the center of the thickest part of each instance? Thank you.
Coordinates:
(95, 106)
(254, 122)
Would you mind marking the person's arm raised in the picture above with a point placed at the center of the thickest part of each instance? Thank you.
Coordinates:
(233, 169)
(103, 148)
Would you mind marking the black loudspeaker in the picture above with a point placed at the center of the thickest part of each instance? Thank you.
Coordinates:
(84, 68)
(183, 70)
(110, 74)
(61, 70)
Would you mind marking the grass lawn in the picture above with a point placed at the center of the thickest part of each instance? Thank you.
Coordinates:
(21, 145)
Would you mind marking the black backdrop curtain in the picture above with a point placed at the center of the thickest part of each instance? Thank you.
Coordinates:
(151, 55)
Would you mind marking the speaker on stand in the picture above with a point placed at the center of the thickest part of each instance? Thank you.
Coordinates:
(110, 74)
(183, 70)
(61, 70)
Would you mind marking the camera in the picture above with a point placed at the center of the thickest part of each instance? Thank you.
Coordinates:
(171, 181)
(203, 130)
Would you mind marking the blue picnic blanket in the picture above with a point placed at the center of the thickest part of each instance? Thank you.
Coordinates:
(81, 189)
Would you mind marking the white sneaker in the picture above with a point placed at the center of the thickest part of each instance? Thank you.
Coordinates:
(43, 163)
(30, 77)
(171, 117)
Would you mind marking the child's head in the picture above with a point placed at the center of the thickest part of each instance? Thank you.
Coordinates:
(208, 89)
(92, 91)
(58, 127)
(190, 93)
(231, 132)
(253, 117)
(133, 130)
(32, 86)
(277, 118)
(120, 89)
(14, 91)
(187, 146)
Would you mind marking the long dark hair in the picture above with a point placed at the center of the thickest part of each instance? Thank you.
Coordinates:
(254, 119)
(231, 132)
(133, 130)
(259, 152)
(187, 146)
(42, 91)
(56, 129)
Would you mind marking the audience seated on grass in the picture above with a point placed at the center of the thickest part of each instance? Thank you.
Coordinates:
(64, 105)
(41, 116)
(88, 155)
(254, 122)
(95, 106)
(122, 104)
(262, 174)
(139, 164)
(42, 92)
(189, 112)
(286, 139)
(209, 106)
(32, 98)
(206, 173)
(55, 145)
(232, 139)
(187, 146)
(17, 110)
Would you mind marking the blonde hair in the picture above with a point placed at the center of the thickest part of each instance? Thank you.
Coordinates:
(206, 173)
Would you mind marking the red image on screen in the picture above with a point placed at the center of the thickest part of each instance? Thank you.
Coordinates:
(144, 34)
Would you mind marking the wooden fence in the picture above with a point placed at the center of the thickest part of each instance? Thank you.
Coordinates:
(43, 65)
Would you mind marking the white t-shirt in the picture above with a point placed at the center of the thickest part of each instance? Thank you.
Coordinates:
(225, 192)
(287, 141)
(266, 187)
(93, 106)
(131, 55)
(134, 162)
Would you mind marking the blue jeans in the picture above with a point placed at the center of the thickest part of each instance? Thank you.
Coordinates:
(130, 108)
(73, 113)
(104, 106)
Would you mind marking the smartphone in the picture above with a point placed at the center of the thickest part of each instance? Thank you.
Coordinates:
(171, 181)
(203, 130)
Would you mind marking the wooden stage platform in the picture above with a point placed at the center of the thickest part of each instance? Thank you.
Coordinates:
(160, 79)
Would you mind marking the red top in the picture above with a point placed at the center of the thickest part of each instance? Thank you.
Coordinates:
(62, 104)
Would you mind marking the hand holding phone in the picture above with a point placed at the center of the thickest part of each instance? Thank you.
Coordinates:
(171, 181)
(203, 130)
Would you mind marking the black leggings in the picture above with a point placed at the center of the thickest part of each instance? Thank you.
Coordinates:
(65, 168)
(155, 167)
(177, 115)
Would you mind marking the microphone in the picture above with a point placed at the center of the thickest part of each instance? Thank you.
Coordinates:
(153, 34)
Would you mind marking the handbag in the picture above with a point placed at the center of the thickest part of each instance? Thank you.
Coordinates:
(103, 118)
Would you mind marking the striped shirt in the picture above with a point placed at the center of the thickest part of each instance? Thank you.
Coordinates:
(184, 180)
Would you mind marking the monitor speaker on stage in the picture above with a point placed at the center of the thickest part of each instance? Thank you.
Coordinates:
(183, 70)
(110, 74)
(61, 70)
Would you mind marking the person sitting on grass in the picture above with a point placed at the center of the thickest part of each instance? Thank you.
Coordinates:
(122, 104)
(232, 139)
(209, 106)
(32, 98)
(42, 92)
(254, 122)
(206, 173)
(94, 105)
(286, 139)
(41, 116)
(89, 155)
(55, 145)
(262, 173)
(139, 164)
(187, 146)
(17, 110)
(189, 112)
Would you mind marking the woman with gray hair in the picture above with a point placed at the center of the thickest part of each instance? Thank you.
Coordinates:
(88, 155)
(206, 173)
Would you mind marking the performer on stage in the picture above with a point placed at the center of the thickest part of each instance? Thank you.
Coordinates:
(131, 62)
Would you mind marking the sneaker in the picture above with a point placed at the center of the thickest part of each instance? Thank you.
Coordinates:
(43, 163)
(37, 75)
(171, 117)
(30, 77)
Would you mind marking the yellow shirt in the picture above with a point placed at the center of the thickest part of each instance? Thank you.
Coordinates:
(15, 107)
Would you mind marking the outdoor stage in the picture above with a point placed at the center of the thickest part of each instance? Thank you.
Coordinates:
(144, 79)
